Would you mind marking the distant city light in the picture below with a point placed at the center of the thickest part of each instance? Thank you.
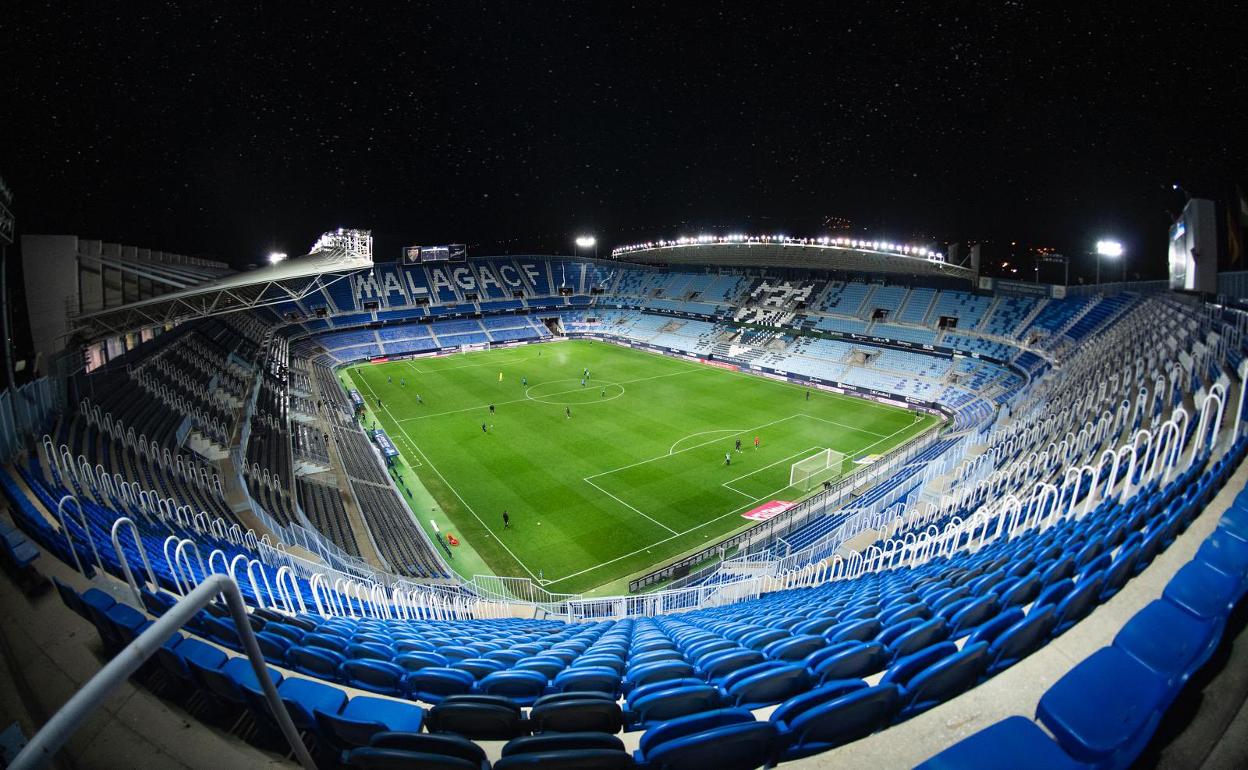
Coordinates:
(276, 256)
(1111, 249)
(586, 241)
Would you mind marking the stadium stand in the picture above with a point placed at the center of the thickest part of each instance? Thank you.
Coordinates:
(1050, 490)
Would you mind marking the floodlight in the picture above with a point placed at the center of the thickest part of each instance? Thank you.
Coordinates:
(1111, 249)
(586, 241)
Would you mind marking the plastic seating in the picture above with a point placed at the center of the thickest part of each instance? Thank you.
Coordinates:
(833, 714)
(576, 712)
(858, 659)
(433, 684)
(1020, 739)
(1169, 640)
(944, 679)
(1105, 709)
(480, 717)
(589, 750)
(587, 679)
(364, 717)
(303, 698)
(728, 739)
(381, 677)
(523, 687)
(402, 751)
(763, 688)
(671, 703)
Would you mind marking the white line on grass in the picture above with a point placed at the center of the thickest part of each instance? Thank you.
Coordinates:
(842, 425)
(626, 505)
(672, 449)
(686, 449)
(697, 526)
(730, 482)
(455, 491)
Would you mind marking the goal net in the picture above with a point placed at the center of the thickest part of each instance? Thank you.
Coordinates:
(823, 466)
(474, 346)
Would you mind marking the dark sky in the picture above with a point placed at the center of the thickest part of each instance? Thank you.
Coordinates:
(228, 129)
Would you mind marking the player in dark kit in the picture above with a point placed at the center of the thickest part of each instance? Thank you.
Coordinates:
(506, 520)
(738, 445)
(491, 409)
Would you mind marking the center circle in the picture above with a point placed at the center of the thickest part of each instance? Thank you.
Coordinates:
(571, 393)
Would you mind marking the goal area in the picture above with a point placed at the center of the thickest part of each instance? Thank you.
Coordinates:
(822, 466)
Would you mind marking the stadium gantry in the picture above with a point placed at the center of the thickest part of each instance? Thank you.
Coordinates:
(211, 492)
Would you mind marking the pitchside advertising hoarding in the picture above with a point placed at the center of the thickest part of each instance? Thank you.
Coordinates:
(415, 255)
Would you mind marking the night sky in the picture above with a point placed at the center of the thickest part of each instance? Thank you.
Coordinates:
(227, 130)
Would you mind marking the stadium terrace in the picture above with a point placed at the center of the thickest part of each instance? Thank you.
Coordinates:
(702, 504)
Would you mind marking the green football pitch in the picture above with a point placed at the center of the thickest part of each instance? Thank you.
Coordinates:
(605, 479)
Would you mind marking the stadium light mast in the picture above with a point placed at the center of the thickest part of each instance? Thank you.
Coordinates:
(1112, 250)
(587, 242)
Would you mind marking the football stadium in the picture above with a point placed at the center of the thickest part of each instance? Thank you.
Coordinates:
(623, 386)
(728, 501)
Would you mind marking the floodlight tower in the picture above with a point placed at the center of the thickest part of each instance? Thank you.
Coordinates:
(587, 242)
(1111, 250)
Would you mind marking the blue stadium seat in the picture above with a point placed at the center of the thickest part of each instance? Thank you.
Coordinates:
(671, 703)
(1020, 639)
(855, 660)
(944, 679)
(1170, 641)
(227, 684)
(320, 662)
(1018, 738)
(766, 687)
(404, 751)
(364, 717)
(714, 666)
(523, 687)
(303, 698)
(574, 712)
(480, 717)
(728, 739)
(1105, 709)
(575, 759)
(381, 677)
(656, 672)
(794, 647)
(831, 715)
(587, 679)
(1203, 591)
(432, 684)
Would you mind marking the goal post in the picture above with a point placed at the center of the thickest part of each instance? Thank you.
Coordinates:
(824, 465)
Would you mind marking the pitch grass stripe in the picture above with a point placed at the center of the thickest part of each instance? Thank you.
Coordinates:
(626, 505)
(686, 449)
(454, 491)
(602, 563)
(703, 524)
(534, 400)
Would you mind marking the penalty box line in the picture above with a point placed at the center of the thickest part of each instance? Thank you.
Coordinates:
(696, 527)
(805, 452)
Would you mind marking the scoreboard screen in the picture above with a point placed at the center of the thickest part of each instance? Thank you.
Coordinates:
(415, 255)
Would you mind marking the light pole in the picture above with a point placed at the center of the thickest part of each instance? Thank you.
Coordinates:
(1110, 249)
(587, 242)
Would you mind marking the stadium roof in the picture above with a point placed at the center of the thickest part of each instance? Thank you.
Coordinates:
(826, 253)
(331, 259)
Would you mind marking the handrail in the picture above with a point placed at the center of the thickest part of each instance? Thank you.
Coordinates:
(125, 562)
(58, 730)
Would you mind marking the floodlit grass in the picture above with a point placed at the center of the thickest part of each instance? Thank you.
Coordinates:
(636, 474)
